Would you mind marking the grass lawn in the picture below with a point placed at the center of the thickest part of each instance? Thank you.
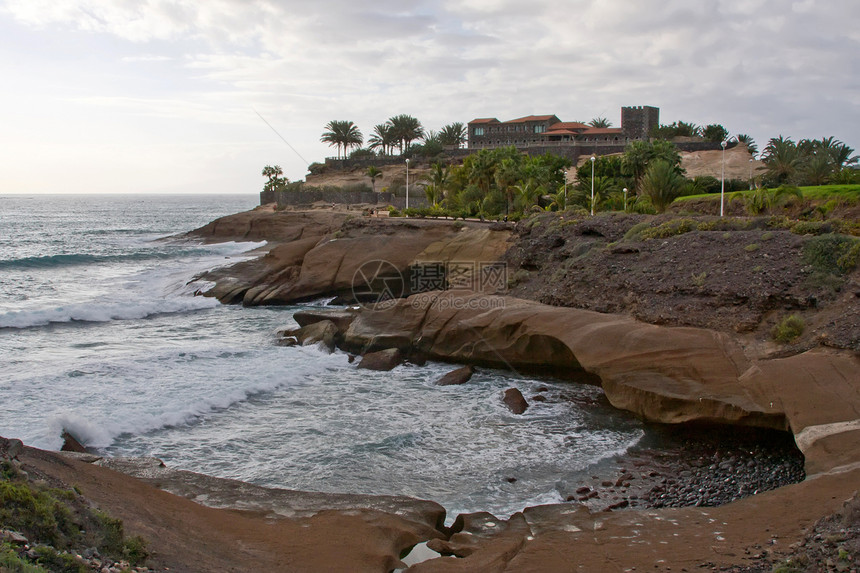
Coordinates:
(850, 193)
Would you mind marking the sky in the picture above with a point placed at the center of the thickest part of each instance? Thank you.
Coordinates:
(161, 96)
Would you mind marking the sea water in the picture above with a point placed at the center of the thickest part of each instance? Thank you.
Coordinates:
(100, 335)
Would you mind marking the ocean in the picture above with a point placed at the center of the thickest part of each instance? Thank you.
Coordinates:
(100, 335)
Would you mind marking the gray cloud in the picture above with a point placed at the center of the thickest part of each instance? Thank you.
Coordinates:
(758, 66)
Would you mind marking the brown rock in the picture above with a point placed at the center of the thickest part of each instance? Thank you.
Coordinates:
(13, 448)
(383, 360)
(515, 401)
(456, 377)
(322, 333)
(71, 444)
(341, 318)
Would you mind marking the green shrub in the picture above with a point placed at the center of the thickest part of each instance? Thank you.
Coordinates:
(36, 514)
(811, 228)
(752, 247)
(134, 550)
(670, 229)
(58, 562)
(11, 562)
(831, 253)
(699, 279)
(779, 222)
(788, 329)
(847, 262)
(316, 168)
(634, 233)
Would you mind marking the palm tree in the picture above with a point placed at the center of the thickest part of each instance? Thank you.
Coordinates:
(405, 130)
(437, 183)
(480, 170)
(839, 152)
(431, 136)
(662, 184)
(352, 137)
(373, 172)
(343, 134)
(635, 160)
(527, 195)
(453, 134)
(600, 123)
(273, 173)
(750, 143)
(382, 138)
(782, 158)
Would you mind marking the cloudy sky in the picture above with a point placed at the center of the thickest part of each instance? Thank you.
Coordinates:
(160, 95)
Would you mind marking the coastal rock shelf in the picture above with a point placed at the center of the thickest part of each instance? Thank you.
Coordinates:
(672, 375)
(667, 375)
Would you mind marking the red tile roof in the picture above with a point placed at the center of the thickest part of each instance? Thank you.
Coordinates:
(484, 120)
(532, 118)
(568, 125)
(561, 132)
(602, 131)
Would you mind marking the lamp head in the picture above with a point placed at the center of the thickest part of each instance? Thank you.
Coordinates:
(723, 144)
(593, 158)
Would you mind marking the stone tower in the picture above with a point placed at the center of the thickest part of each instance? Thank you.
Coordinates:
(636, 122)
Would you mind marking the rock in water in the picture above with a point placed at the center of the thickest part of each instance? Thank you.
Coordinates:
(383, 360)
(322, 333)
(71, 444)
(515, 401)
(456, 377)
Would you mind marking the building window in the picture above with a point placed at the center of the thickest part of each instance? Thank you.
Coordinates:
(479, 131)
(540, 128)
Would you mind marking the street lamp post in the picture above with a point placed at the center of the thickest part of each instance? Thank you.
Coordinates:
(592, 185)
(565, 189)
(723, 178)
(407, 183)
(751, 179)
(625, 199)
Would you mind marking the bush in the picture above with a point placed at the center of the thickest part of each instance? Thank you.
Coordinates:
(362, 153)
(58, 562)
(811, 228)
(831, 253)
(11, 562)
(670, 229)
(316, 168)
(36, 514)
(788, 329)
(634, 233)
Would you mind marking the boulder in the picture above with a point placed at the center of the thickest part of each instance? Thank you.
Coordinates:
(71, 444)
(456, 377)
(515, 401)
(383, 360)
(341, 318)
(13, 537)
(322, 333)
(13, 448)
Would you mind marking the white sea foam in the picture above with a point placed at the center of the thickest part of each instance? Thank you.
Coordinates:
(102, 311)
